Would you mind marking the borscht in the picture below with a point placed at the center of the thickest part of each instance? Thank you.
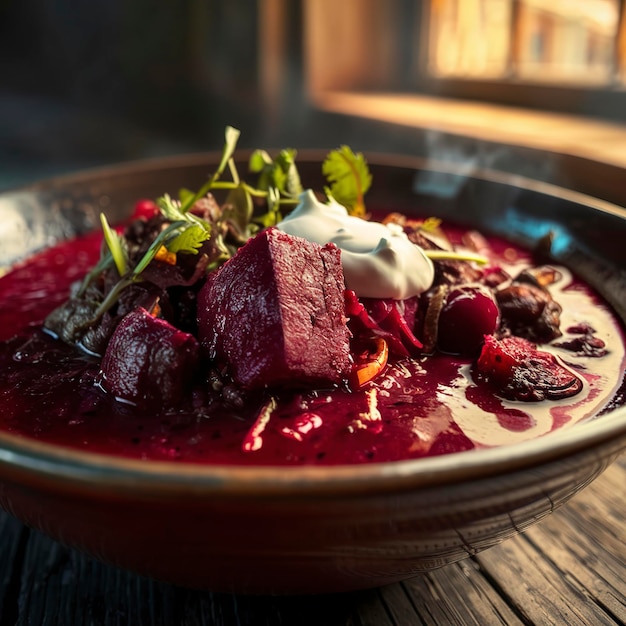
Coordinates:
(267, 323)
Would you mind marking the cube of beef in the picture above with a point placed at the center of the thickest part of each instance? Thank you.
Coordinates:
(274, 314)
(148, 361)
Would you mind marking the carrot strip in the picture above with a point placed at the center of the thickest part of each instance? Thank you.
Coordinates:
(375, 364)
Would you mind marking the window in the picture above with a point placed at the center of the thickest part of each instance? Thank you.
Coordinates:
(558, 42)
(470, 38)
(555, 55)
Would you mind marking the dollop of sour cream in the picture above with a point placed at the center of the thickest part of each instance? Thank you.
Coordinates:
(379, 260)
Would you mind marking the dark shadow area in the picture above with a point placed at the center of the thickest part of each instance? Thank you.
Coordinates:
(86, 84)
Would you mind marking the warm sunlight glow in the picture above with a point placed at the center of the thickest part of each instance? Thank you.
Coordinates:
(563, 41)
(470, 37)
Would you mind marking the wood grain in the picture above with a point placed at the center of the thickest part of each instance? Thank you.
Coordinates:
(568, 569)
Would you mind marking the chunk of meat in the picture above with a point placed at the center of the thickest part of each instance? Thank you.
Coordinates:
(519, 371)
(527, 307)
(148, 361)
(447, 271)
(274, 314)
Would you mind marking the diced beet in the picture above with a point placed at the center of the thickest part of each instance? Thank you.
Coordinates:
(519, 371)
(148, 361)
(274, 314)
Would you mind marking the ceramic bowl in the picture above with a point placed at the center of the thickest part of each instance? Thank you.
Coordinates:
(312, 529)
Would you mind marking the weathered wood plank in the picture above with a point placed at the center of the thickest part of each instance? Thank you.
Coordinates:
(457, 595)
(537, 588)
(559, 571)
(590, 548)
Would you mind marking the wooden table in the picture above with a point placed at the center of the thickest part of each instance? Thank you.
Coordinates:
(568, 569)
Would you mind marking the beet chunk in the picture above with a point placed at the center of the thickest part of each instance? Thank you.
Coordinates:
(519, 371)
(148, 361)
(274, 314)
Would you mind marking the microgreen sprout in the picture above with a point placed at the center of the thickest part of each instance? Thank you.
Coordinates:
(116, 245)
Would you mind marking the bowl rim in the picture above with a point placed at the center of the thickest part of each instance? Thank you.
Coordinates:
(387, 159)
(89, 470)
(60, 464)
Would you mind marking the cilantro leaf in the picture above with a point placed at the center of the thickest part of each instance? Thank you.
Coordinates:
(191, 230)
(349, 178)
(171, 209)
(189, 239)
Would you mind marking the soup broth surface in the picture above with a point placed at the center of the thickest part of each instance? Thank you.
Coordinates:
(419, 407)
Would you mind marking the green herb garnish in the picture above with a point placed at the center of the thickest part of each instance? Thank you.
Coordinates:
(280, 173)
(231, 136)
(450, 255)
(117, 246)
(186, 232)
(349, 178)
(190, 230)
(195, 223)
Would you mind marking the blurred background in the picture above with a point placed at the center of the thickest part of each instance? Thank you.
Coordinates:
(525, 86)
